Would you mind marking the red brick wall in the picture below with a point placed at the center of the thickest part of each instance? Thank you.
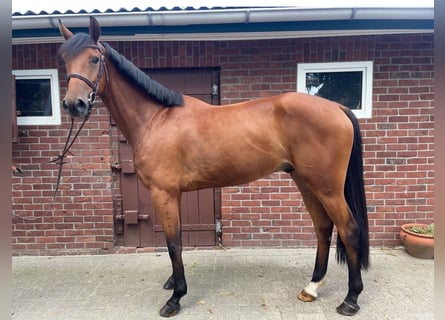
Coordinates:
(398, 139)
(398, 144)
(80, 220)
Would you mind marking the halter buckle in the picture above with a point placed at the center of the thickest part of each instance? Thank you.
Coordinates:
(92, 98)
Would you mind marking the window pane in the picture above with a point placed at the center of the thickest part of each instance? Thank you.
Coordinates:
(33, 97)
(342, 87)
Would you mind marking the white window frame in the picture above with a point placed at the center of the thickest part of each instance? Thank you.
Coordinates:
(52, 75)
(366, 67)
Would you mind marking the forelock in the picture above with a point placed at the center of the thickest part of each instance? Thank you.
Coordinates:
(74, 45)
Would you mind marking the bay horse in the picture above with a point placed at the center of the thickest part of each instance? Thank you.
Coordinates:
(181, 144)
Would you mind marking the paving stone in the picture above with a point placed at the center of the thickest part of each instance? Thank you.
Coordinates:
(243, 284)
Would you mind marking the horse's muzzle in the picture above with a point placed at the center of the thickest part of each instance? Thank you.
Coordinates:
(77, 109)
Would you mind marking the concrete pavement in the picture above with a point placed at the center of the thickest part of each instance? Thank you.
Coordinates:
(227, 284)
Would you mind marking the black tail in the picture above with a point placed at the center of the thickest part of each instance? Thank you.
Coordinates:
(355, 197)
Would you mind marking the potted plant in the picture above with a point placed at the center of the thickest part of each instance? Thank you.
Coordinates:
(418, 239)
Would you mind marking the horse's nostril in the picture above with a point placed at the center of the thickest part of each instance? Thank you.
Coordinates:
(76, 108)
(80, 104)
(65, 105)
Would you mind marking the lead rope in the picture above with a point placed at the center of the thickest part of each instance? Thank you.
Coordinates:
(66, 148)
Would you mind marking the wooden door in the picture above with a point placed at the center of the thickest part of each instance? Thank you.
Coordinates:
(137, 223)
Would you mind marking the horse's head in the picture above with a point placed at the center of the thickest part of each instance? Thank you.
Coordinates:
(85, 66)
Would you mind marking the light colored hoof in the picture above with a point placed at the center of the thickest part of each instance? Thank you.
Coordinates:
(306, 297)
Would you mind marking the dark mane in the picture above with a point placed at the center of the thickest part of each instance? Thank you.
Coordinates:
(168, 98)
(153, 88)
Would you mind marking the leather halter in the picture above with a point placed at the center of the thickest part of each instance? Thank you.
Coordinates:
(93, 85)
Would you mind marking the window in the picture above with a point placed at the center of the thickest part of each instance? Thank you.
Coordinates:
(348, 83)
(37, 97)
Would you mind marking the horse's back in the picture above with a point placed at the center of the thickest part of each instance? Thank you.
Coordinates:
(309, 108)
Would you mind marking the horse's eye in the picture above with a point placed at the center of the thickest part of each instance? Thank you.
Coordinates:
(95, 60)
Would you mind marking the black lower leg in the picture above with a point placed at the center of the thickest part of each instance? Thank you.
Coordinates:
(349, 306)
(177, 279)
(322, 257)
(309, 293)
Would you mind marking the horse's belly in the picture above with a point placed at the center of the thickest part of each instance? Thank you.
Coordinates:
(230, 171)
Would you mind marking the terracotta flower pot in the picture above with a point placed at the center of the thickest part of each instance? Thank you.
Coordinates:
(416, 244)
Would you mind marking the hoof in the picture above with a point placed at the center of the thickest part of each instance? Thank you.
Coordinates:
(170, 284)
(305, 297)
(169, 310)
(348, 309)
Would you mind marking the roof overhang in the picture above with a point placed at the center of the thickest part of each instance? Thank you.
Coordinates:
(227, 23)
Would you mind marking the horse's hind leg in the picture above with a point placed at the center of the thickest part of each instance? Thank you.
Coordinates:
(349, 234)
(167, 206)
(323, 228)
(327, 210)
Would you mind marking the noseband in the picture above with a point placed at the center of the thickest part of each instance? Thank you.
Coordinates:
(93, 85)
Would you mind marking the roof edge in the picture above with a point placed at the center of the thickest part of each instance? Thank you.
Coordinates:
(220, 16)
(192, 21)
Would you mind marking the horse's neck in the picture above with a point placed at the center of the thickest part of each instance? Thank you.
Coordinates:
(130, 109)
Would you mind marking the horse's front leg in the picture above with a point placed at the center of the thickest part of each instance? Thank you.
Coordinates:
(177, 279)
(167, 205)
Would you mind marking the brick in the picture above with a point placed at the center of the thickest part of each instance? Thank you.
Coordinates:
(401, 129)
(46, 239)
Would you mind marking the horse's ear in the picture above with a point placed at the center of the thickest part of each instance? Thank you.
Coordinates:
(64, 31)
(94, 29)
